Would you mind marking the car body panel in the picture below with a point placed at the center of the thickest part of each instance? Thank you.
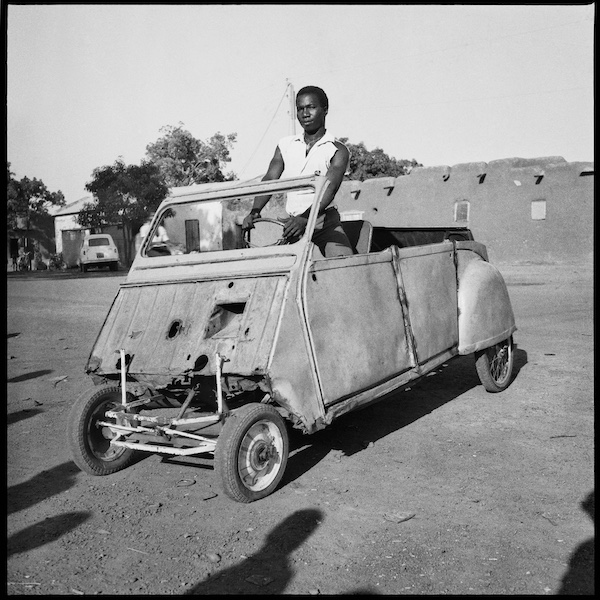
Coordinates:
(236, 317)
(356, 323)
(429, 285)
(485, 312)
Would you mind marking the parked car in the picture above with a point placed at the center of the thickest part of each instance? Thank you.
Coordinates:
(98, 250)
(218, 345)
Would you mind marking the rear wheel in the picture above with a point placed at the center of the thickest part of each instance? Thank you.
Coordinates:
(252, 452)
(495, 365)
(89, 441)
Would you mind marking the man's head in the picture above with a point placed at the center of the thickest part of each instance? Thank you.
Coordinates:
(312, 106)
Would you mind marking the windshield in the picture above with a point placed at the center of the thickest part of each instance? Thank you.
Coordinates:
(196, 227)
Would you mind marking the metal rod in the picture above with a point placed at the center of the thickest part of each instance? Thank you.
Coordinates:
(186, 403)
(207, 447)
(219, 387)
(123, 378)
(193, 436)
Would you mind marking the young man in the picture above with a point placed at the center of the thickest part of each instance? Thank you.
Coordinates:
(315, 151)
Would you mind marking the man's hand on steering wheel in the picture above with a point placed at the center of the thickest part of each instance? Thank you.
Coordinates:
(248, 222)
(294, 227)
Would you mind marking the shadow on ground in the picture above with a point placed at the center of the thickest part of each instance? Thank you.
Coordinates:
(269, 570)
(354, 431)
(579, 578)
(45, 532)
(40, 487)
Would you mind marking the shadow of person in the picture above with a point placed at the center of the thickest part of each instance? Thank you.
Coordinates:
(269, 570)
(45, 532)
(31, 375)
(579, 578)
(41, 486)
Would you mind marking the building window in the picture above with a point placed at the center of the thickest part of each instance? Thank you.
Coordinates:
(461, 210)
(538, 210)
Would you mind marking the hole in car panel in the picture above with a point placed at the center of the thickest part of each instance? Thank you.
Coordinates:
(128, 359)
(175, 329)
(225, 320)
(201, 362)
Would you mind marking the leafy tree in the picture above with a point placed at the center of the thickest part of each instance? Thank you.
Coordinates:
(184, 160)
(368, 164)
(125, 195)
(27, 204)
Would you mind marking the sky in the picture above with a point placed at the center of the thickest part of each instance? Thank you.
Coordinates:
(442, 84)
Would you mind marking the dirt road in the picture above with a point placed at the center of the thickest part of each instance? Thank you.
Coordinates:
(501, 485)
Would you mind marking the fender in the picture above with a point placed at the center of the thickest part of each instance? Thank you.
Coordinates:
(485, 315)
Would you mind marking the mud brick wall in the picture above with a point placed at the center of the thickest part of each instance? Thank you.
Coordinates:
(536, 210)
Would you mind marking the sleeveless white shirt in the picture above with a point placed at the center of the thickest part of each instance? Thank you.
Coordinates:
(297, 162)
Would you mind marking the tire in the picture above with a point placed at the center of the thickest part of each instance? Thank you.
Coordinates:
(495, 365)
(114, 266)
(90, 444)
(252, 452)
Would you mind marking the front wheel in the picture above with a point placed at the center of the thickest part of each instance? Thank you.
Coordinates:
(88, 440)
(495, 365)
(252, 452)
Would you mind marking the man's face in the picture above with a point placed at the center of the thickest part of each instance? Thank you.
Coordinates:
(311, 114)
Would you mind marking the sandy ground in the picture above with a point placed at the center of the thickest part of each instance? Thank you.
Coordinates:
(501, 485)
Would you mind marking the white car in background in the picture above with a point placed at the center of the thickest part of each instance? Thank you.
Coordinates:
(98, 250)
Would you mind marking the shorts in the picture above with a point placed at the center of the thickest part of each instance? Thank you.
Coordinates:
(329, 235)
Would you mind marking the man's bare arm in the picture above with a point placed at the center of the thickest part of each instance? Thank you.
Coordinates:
(273, 172)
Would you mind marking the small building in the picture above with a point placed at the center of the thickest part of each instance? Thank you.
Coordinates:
(69, 233)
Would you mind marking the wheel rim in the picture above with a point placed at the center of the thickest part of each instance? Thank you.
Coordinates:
(260, 455)
(500, 357)
(99, 436)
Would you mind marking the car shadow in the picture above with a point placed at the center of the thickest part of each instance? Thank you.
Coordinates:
(353, 432)
(45, 532)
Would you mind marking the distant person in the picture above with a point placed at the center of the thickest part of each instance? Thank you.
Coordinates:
(161, 239)
(314, 151)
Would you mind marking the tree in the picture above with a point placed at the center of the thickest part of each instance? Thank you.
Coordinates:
(184, 160)
(125, 195)
(368, 164)
(27, 204)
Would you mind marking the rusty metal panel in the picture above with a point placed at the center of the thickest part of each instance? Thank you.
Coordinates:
(429, 283)
(485, 316)
(356, 323)
(291, 373)
(165, 328)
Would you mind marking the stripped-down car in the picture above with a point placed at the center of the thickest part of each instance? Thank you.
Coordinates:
(215, 345)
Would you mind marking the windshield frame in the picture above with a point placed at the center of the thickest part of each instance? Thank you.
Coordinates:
(217, 192)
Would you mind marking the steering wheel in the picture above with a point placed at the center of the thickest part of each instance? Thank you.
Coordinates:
(246, 235)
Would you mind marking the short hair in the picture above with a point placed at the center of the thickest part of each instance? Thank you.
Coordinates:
(318, 92)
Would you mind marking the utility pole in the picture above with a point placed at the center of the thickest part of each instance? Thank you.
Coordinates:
(292, 110)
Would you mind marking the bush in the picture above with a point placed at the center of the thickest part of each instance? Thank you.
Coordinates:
(56, 262)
